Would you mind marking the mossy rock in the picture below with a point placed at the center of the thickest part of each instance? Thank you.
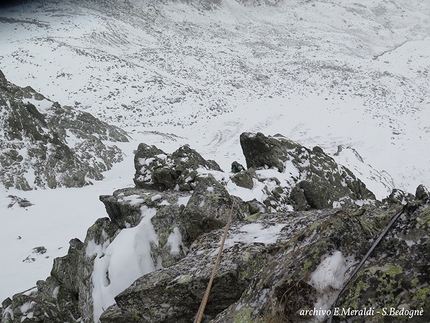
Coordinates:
(244, 179)
(396, 277)
(208, 208)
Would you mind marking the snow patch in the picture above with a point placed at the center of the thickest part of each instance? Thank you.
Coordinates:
(134, 199)
(256, 233)
(175, 241)
(156, 197)
(124, 260)
(328, 278)
(183, 200)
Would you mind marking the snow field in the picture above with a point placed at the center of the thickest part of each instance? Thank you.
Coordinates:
(325, 74)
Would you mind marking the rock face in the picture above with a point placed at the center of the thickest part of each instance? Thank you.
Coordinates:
(311, 178)
(151, 260)
(44, 144)
(397, 278)
(157, 170)
(304, 266)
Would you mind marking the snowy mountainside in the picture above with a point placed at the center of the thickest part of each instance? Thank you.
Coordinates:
(44, 144)
(327, 73)
(153, 64)
(150, 260)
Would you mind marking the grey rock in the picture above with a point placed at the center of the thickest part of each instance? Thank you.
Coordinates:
(397, 276)
(397, 196)
(173, 294)
(259, 282)
(57, 145)
(157, 170)
(22, 202)
(124, 209)
(52, 300)
(245, 179)
(208, 208)
(393, 277)
(315, 180)
(261, 151)
(2, 78)
(39, 250)
(422, 193)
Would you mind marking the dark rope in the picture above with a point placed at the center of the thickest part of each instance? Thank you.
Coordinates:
(375, 244)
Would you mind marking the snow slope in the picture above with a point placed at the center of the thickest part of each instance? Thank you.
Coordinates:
(328, 73)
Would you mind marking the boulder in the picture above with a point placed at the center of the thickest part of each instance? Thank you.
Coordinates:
(245, 179)
(22, 202)
(265, 152)
(209, 208)
(160, 171)
(306, 179)
(125, 209)
(174, 294)
(422, 193)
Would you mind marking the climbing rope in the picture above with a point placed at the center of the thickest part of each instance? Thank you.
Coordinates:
(202, 307)
(375, 244)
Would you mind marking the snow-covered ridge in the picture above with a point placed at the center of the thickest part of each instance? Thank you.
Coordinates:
(324, 73)
(156, 247)
(331, 73)
(44, 144)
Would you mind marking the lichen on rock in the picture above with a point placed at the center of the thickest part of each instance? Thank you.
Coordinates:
(276, 266)
(397, 277)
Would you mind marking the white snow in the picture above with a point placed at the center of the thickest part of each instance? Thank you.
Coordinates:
(324, 74)
(329, 273)
(255, 233)
(184, 200)
(133, 199)
(156, 197)
(328, 278)
(124, 260)
(175, 241)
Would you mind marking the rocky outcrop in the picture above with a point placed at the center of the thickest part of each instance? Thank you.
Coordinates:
(303, 266)
(174, 294)
(44, 144)
(396, 281)
(160, 171)
(151, 260)
(307, 179)
(156, 228)
(208, 208)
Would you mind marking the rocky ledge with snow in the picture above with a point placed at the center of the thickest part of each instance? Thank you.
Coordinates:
(44, 144)
(290, 252)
